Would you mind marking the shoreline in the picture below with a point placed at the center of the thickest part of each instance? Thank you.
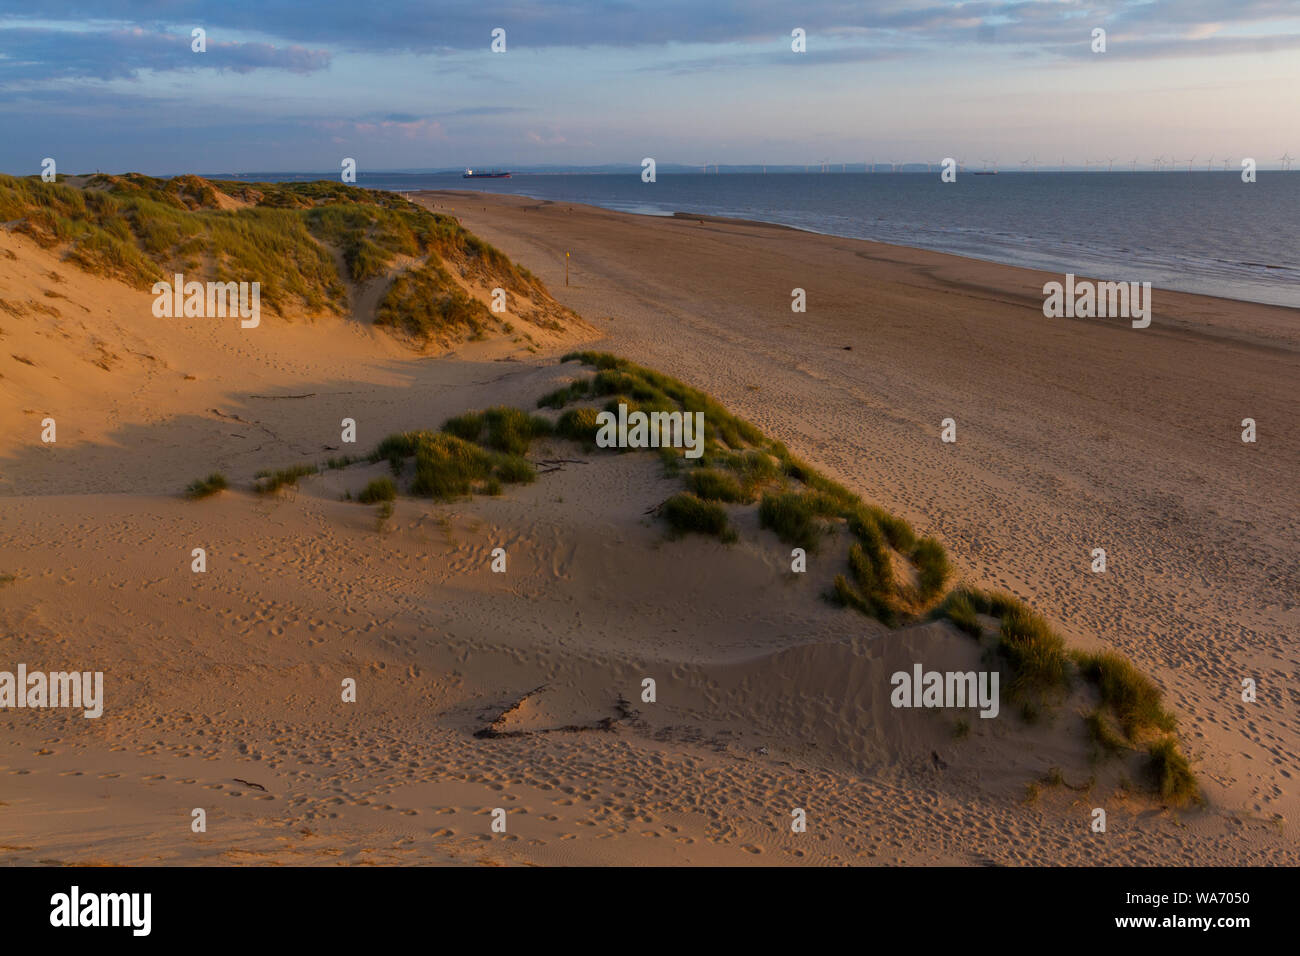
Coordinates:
(709, 217)
(1278, 325)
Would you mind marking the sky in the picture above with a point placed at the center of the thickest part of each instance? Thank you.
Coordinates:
(397, 84)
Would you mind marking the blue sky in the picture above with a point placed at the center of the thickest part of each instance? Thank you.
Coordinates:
(396, 84)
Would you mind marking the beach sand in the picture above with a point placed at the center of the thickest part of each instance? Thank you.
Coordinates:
(521, 691)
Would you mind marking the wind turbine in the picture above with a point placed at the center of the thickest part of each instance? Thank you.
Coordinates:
(1031, 162)
(1110, 164)
(1189, 163)
(1226, 163)
(1209, 164)
(1135, 164)
(1286, 159)
(1157, 163)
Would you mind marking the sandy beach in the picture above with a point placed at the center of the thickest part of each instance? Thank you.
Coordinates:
(520, 691)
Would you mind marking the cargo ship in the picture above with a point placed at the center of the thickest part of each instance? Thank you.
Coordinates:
(494, 174)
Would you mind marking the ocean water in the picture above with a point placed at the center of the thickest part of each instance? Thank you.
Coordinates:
(1205, 232)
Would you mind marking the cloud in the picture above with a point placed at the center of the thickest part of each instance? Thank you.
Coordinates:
(29, 55)
(1131, 46)
(465, 25)
(406, 128)
(550, 138)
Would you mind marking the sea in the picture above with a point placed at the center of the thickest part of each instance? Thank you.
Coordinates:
(1199, 231)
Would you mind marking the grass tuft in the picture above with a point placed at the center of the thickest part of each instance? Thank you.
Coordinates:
(795, 517)
(381, 489)
(1172, 773)
(712, 484)
(685, 513)
(203, 487)
(272, 481)
(1128, 693)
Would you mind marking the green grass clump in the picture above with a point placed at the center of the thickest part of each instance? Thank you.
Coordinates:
(1101, 731)
(342, 461)
(713, 485)
(446, 467)
(578, 424)
(514, 469)
(685, 513)
(565, 394)
(1172, 773)
(795, 517)
(272, 481)
(932, 567)
(961, 607)
(1035, 656)
(508, 430)
(846, 595)
(897, 532)
(400, 445)
(753, 468)
(381, 489)
(426, 304)
(803, 472)
(869, 573)
(656, 391)
(874, 544)
(203, 487)
(1129, 694)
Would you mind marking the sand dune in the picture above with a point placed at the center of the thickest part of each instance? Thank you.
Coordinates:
(522, 691)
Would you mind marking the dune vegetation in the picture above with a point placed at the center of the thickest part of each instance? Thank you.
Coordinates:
(889, 573)
(205, 487)
(304, 243)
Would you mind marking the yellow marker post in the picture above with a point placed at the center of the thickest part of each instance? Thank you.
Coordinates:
(566, 268)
